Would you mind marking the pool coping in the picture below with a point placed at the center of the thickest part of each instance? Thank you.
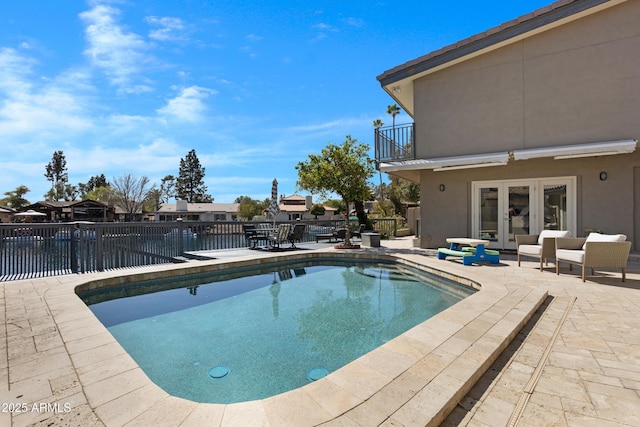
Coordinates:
(416, 378)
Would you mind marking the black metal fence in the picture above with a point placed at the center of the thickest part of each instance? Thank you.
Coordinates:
(395, 143)
(40, 250)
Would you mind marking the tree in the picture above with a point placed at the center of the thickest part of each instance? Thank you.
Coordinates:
(377, 123)
(338, 205)
(249, 207)
(399, 191)
(190, 183)
(56, 172)
(104, 194)
(130, 193)
(394, 110)
(153, 202)
(340, 169)
(93, 183)
(317, 210)
(14, 199)
(167, 188)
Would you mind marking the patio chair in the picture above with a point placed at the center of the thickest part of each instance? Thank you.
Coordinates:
(597, 250)
(250, 235)
(296, 234)
(339, 233)
(540, 246)
(281, 235)
(358, 231)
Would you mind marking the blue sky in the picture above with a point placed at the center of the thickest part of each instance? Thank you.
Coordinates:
(253, 86)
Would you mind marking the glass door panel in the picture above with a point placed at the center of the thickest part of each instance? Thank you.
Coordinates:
(519, 206)
(489, 214)
(555, 207)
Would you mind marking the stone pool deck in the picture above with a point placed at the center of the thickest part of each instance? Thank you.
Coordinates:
(529, 349)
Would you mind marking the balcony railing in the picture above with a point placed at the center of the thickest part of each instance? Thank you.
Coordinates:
(394, 143)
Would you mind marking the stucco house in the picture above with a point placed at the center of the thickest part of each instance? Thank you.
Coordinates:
(527, 126)
(295, 207)
(197, 211)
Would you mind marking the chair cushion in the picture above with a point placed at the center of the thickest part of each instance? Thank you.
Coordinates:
(552, 233)
(534, 250)
(597, 237)
(573, 255)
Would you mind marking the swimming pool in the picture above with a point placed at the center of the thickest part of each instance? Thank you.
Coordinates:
(247, 334)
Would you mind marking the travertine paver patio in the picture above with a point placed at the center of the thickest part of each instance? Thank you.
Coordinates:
(576, 363)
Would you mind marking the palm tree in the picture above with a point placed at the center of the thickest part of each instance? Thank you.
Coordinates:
(377, 124)
(394, 110)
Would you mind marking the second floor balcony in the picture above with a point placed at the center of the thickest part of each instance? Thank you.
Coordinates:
(395, 143)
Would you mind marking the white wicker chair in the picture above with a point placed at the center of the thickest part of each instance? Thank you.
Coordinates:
(540, 246)
(592, 253)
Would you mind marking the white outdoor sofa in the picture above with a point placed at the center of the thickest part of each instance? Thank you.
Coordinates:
(597, 250)
(542, 246)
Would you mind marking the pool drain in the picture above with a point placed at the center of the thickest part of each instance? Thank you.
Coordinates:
(218, 371)
(317, 373)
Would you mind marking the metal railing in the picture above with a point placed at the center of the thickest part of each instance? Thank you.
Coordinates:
(395, 143)
(41, 250)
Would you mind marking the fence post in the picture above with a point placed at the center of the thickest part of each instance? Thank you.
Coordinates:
(180, 238)
(99, 246)
(73, 250)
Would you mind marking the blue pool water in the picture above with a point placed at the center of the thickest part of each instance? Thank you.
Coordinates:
(266, 332)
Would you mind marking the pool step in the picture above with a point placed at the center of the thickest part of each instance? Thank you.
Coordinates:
(530, 350)
(445, 375)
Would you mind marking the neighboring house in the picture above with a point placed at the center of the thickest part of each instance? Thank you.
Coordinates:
(77, 210)
(297, 207)
(528, 126)
(121, 215)
(6, 214)
(197, 211)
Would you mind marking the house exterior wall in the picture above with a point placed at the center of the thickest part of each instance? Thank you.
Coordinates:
(575, 84)
(612, 206)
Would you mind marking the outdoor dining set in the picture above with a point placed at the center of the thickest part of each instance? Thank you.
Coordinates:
(272, 237)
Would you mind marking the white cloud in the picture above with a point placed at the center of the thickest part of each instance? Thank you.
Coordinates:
(188, 106)
(325, 27)
(354, 22)
(120, 54)
(28, 109)
(171, 29)
(322, 30)
(144, 159)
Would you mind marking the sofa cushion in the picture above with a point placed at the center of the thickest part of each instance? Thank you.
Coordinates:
(572, 255)
(597, 237)
(534, 250)
(552, 233)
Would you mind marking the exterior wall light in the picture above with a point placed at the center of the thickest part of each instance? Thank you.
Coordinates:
(603, 176)
(441, 187)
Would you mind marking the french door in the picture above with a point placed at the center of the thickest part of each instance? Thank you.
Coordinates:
(503, 209)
